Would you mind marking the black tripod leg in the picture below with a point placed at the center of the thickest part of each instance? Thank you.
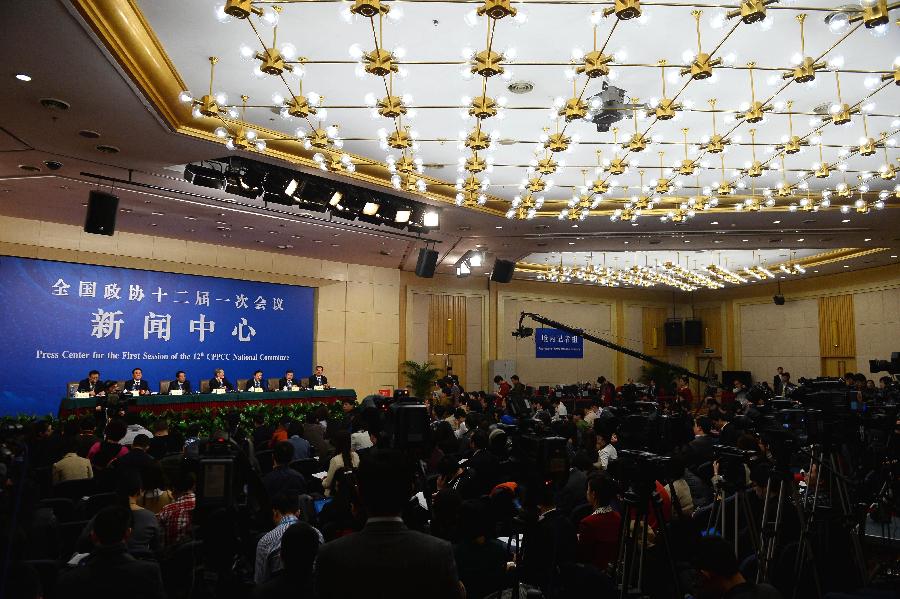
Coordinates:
(667, 546)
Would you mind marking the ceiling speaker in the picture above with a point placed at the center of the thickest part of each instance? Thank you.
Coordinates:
(503, 271)
(426, 263)
(778, 299)
(101, 213)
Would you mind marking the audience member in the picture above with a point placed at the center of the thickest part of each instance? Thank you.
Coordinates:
(388, 560)
(295, 438)
(598, 533)
(299, 545)
(483, 467)
(549, 545)
(700, 449)
(163, 442)
(137, 459)
(102, 453)
(175, 518)
(285, 512)
(262, 432)
(481, 560)
(606, 451)
(87, 434)
(283, 479)
(719, 577)
(109, 570)
(573, 493)
(71, 466)
(338, 517)
(314, 432)
(344, 457)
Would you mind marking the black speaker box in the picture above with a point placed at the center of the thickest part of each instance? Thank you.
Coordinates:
(101, 213)
(693, 332)
(778, 299)
(674, 330)
(426, 263)
(503, 271)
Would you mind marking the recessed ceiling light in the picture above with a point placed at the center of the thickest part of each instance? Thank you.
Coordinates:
(626, 243)
(715, 222)
(334, 245)
(574, 226)
(23, 77)
(802, 239)
(745, 240)
(248, 227)
(157, 214)
(717, 241)
(815, 271)
(845, 266)
(571, 243)
(867, 239)
(499, 227)
(317, 241)
(260, 241)
(776, 222)
(191, 217)
(893, 256)
(846, 220)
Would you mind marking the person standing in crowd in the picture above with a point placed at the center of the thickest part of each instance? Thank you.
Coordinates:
(777, 383)
(503, 388)
(549, 545)
(285, 513)
(786, 385)
(700, 448)
(388, 560)
(518, 388)
(480, 558)
(91, 385)
(219, 381)
(685, 395)
(180, 383)
(137, 385)
(299, 545)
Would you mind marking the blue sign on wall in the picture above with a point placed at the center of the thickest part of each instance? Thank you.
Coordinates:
(553, 343)
(61, 320)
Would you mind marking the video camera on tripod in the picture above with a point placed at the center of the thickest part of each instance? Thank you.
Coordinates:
(734, 464)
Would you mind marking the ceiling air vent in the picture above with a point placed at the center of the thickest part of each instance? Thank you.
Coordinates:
(520, 87)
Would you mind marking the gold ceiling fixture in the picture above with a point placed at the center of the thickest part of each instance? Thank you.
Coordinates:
(599, 186)
(750, 11)
(666, 108)
(663, 184)
(874, 14)
(715, 143)
(754, 168)
(725, 275)
(687, 166)
(212, 104)
(240, 137)
(627, 214)
(784, 189)
(575, 108)
(822, 170)
(724, 188)
(624, 9)
(753, 112)
(299, 106)
(702, 64)
(558, 141)
(886, 171)
(806, 67)
(637, 143)
(792, 144)
(841, 112)
(243, 9)
(470, 191)
(581, 203)
(274, 60)
(525, 207)
(617, 166)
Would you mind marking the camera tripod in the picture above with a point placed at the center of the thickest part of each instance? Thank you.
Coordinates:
(828, 464)
(629, 568)
(786, 497)
(718, 515)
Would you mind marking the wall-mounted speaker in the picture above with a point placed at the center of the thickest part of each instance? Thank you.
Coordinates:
(426, 263)
(674, 331)
(693, 332)
(101, 213)
(503, 271)
(778, 299)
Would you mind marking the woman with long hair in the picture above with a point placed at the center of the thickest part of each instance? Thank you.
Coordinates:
(344, 457)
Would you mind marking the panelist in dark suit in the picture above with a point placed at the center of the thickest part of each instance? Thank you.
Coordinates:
(91, 384)
(778, 383)
(287, 381)
(137, 385)
(256, 382)
(180, 383)
(318, 377)
(388, 559)
(219, 381)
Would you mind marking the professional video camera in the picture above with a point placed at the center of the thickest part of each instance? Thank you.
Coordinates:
(644, 427)
(639, 470)
(891, 366)
(734, 463)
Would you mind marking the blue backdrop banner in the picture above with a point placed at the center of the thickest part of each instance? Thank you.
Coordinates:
(553, 343)
(62, 320)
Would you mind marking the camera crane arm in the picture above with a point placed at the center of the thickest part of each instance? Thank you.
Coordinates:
(614, 346)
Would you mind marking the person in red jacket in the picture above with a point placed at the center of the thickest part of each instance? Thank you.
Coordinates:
(598, 533)
(503, 388)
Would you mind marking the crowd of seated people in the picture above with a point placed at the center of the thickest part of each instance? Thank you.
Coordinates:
(327, 509)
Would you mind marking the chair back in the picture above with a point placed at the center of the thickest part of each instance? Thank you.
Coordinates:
(75, 489)
(164, 387)
(273, 383)
(204, 386)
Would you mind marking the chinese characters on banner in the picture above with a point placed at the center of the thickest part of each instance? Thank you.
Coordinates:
(553, 343)
(108, 324)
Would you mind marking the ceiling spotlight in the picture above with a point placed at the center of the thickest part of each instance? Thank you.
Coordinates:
(371, 208)
(336, 199)
(402, 216)
(432, 219)
(23, 77)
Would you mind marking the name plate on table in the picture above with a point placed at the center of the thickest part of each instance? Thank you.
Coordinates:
(256, 389)
(319, 388)
(218, 391)
(295, 388)
(176, 392)
(82, 395)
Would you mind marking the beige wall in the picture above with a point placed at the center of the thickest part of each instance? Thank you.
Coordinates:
(877, 320)
(786, 336)
(357, 307)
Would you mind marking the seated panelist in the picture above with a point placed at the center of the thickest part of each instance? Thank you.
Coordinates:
(91, 384)
(180, 383)
(287, 382)
(137, 385)
(219, 381)
(256, 382)
(318, 378)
